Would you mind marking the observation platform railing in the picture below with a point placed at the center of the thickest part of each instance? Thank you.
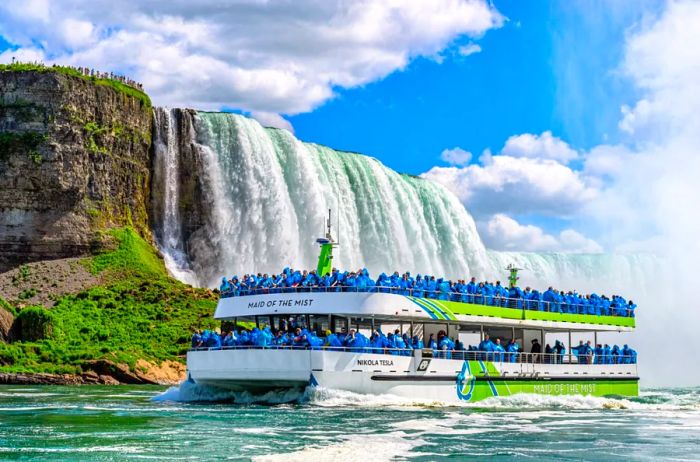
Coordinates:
(459, 297)
(459, 355)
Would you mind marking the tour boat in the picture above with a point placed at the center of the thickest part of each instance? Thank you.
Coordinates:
(418, 374)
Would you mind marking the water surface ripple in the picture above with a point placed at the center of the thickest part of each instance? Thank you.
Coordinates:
(150, 423)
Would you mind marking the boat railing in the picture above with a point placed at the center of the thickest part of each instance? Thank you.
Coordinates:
(477, 299)
(459, 355)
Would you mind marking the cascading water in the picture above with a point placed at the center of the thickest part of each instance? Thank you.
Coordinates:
(166, 203)
(267, 195)
(257, 198)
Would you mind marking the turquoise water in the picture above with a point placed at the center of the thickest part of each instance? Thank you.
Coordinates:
(144, 423)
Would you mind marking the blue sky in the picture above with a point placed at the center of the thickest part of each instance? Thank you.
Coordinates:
(550, 67)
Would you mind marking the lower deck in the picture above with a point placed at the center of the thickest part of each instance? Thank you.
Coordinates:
(469, 377)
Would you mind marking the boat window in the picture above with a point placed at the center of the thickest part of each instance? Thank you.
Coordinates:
(470, 336)
(319, 324)
(363, 325)
(339, 324)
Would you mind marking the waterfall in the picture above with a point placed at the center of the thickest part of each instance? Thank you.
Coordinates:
(166, 197)
(237, 197)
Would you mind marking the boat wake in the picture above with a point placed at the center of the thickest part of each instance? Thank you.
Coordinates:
(191, 392)
(655, 399)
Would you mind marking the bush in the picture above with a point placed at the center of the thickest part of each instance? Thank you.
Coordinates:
(33, 323)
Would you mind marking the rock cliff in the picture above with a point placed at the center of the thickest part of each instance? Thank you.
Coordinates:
(74, 161)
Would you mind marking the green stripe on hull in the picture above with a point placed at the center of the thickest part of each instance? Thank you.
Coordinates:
(481, 379)
(601, 388)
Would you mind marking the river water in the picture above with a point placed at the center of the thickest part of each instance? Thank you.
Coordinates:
(149, 423)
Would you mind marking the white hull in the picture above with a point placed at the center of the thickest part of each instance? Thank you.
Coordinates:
(414, 377)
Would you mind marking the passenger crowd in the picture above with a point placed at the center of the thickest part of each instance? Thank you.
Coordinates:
(483, 293)
(396, 343)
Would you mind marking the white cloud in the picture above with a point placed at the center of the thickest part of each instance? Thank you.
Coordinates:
(456, 156)
(517, 185)
(469, 49)
(270, 119)
(502, 232)
(544, 146)
(264, 57)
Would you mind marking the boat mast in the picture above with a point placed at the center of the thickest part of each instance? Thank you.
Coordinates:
(326, 256)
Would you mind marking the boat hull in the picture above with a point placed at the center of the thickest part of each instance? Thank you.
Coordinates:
(413, 377)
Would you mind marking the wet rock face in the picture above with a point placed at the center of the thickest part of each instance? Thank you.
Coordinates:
(74, 160)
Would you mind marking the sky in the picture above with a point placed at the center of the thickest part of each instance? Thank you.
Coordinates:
(565, 126)
(456, 92)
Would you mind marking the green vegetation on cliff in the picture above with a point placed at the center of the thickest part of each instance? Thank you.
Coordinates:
(140, 313)
(115, 84)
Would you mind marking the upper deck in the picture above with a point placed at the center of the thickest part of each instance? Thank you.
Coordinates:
(385, 302)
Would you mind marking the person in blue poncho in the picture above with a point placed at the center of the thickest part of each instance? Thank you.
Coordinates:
(445, 345)
(578, 351)
(486, 346)
(264, 337)
(332, 340)
(417, 289)
(399, 343)
(197, 339)
(431, 287)
(407, 342)
(225, 287)
(599, 357)
(443, 289)
(607, 354)
(356, 340)
(432, 344)
(315, 342)
(417, 343)
(513, 350)
(499, 351)
(350, 282)
(214, 340)
(616, 354)
(229, 340)
(631, 306)
(472, 289)
(559, 351)
(378, 341)
(300, 338)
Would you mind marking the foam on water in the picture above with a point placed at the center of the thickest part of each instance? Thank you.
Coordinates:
(382, 447)
(189, 391)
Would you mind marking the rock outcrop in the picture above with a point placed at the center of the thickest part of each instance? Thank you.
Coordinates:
(74, 160)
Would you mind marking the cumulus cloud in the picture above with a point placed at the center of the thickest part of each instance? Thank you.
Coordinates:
(544, 146)
(264, 57)
(502, 232)
(517, 185)
(469, 49)
(456, 156)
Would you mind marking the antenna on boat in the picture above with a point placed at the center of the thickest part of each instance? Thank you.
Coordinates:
(513, 276)
(326, 256)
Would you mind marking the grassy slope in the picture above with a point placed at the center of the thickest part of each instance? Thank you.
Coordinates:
(115, 84)
(140, 313)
